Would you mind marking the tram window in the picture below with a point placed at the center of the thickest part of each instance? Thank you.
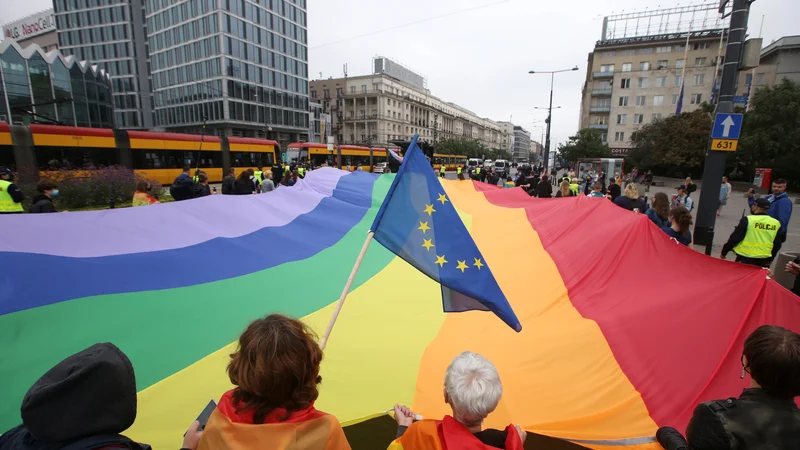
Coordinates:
(55, 158)
(7, 157)
(174, 159)
(252, 159)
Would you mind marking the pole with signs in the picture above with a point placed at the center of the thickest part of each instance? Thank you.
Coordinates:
(725, 133)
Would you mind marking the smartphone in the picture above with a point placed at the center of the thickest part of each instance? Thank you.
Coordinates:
(204, 415)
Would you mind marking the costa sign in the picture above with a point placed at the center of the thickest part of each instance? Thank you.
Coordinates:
(30, 26)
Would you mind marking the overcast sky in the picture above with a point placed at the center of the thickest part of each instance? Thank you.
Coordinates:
(479, 59)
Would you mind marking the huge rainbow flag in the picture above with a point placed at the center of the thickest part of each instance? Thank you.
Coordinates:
(623, 330)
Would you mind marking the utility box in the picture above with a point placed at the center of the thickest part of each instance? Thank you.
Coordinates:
(751, 56)
(763, 179)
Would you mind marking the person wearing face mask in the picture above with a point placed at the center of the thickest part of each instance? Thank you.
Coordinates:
(43, 203)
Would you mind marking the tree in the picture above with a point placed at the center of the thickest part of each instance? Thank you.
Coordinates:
(468, 147)
(675, 146)
(770, 134)
(587, 143)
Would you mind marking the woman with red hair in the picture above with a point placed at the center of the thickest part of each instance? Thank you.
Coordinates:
(276, 373)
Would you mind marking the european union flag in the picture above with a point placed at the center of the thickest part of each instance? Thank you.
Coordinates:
(418, 223)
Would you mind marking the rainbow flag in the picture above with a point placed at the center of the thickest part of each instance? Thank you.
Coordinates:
(623, 330)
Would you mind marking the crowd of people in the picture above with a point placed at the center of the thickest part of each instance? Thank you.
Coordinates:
(249, 181)
(89, 399)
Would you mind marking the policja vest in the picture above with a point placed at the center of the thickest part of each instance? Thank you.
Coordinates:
(574, 188)
(459, 170)
(7, 204)
(757, 242)
(301, 171)
(257, 174)
(478, 171)
(442, 169)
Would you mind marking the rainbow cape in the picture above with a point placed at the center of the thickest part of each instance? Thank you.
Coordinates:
(623, 330)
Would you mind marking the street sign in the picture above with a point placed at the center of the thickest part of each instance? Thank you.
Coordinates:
(724, 145)
(740, 100)
(727, 126)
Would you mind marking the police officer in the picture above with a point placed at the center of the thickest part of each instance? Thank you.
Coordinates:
(442, 171)
(259, 174)
(10, 196)
(753, 238)
(459, 172)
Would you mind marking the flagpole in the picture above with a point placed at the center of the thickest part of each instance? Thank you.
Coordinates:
(324, 341)
(685, 57)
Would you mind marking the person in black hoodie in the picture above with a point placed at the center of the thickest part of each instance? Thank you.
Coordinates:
(82, 403)
(43, 203)
(229, 183)
(544, 189)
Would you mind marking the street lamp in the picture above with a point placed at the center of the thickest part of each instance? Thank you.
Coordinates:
(550, 110)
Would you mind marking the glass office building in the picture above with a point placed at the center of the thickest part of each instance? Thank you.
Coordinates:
(239, 66)
(111, 34)
(52, 89)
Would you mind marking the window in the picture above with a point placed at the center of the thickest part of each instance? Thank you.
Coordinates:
(619, 136)
(607, 68)
(662, 64)
(623, 101)
(658, 100)
(644, 65)
(621, 119)
(609, 54)
(627, 52)
(363, 88)
(661, 81)
(603, 137)
(678, 80)
(664, 49)
(680, 63)
(627, 67)
(699, 79)
(760, 78)
(697, 99)
(638, 119)
(748, 80)
(640, 100)
(699, 62)
(701, 45)
(642, 82)
(656, 117)
(675, 98)
(644, 51)
(625, 83)
(352, 89)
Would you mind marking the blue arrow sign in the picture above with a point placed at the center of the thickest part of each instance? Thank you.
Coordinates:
(727, 126)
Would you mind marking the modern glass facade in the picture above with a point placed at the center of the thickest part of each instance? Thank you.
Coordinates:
(111, 34)
(39, 88)
(239, 65)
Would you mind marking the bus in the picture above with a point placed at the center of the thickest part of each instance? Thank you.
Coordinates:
(318, 155)
(450, 161)
(56, 150)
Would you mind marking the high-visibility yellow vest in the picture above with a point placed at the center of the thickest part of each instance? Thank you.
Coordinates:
(7, 204)
(575, 188)
(301, 171)
(196, 178)
(477, 170)
(442, 169)
(459, 170)
(257, 174)
(757, 242)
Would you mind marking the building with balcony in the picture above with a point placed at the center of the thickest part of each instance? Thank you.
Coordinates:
(394, 104)
(39, 87)
(634, 74)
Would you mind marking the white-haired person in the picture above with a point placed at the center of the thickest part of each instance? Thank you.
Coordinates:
(473, 389)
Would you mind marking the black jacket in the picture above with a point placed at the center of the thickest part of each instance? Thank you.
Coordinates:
(201, 190)
(244, 187)
(756, 420)
(631, 204)
(229, 185)
(43, 204)
(182, 188)
(82, 403)
(615, 190)
(544, 189)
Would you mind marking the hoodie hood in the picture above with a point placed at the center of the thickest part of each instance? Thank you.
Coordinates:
(41, 197)
(91, 392)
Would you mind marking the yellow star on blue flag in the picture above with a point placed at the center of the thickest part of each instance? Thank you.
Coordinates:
(408, 224)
